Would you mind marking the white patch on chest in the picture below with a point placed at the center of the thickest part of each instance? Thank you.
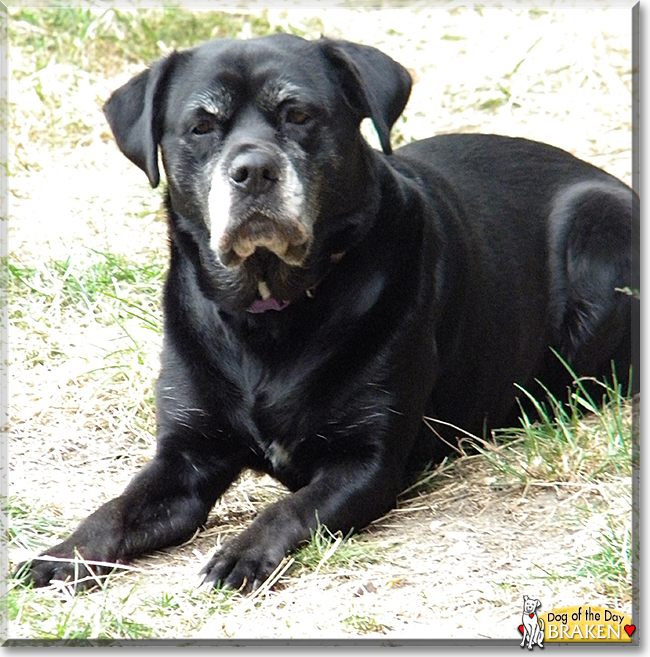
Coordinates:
(278, 455)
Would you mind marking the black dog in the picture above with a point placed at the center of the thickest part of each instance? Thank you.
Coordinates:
(322, 296)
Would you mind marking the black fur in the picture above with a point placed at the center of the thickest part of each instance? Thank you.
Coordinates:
(425, 282)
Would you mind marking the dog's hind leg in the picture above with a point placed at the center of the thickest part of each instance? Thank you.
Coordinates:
(593, 246)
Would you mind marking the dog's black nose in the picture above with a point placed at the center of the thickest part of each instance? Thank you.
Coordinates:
(254, 171)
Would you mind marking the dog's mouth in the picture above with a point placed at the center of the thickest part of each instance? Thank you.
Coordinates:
(267, 263)
(288, 240)
(266, 301)
(267, 256)
(266, 282)
(278, 292)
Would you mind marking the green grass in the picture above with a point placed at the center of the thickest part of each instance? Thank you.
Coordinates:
(585, 442)
(117, 610)
(112, 612)
(607, 571)
(114, 298)
(579, 439)
(112, 287)
(103, 40)
(611, 565)
(196, 606)
(66, 617)
(28, 528)
(327, 552)
(364, 624)
(104, 277)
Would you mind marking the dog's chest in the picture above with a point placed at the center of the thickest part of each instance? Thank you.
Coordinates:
(276, 411)
(293, 403)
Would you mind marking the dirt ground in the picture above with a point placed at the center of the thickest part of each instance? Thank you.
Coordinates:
(455, 562)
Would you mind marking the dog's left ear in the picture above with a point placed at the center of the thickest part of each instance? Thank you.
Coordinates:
(374, 85)
(135, 115)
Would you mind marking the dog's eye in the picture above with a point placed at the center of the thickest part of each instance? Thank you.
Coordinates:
(296, 116)
(203, 127)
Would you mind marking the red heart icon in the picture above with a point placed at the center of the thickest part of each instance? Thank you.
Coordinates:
(630, 629)
(531, 615)
(521, 629)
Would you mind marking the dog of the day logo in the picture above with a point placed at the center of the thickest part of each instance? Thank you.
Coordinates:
(576, 624)
(532, 627)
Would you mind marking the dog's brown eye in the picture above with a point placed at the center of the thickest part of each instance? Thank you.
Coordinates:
(296, 116)
(203, 127)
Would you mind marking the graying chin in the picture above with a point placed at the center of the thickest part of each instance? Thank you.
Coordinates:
(289, 241)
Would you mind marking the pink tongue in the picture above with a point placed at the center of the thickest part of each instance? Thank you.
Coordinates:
(262, 305)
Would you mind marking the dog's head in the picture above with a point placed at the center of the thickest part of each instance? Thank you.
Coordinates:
(531, 604)
(262, 150)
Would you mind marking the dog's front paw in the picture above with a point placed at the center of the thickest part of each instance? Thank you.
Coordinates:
(80, 568)
(242, 564)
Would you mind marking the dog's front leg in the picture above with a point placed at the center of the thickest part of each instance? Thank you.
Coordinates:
(531, 637)
(163, 505)
(341, 496)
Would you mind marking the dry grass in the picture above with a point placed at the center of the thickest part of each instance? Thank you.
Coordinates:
(454, 559)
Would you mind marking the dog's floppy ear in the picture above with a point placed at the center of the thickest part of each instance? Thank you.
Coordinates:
(374, 84)
(135, 115)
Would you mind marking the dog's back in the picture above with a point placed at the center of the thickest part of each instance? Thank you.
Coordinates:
(501, 200)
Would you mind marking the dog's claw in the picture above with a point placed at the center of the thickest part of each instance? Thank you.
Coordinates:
(201, 583)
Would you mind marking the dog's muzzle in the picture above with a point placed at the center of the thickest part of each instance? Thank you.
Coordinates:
(289, 240)
(258, 202)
